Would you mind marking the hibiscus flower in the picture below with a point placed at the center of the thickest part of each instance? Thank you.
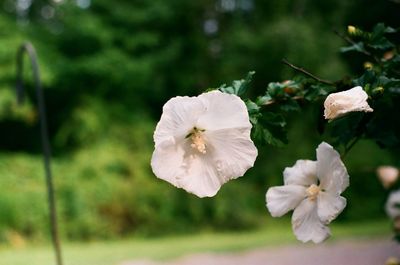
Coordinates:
(312, 189)
(203, 142)
(338, 104)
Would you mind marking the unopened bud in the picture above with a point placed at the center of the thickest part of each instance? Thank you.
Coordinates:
(388, 175)
(351, 29)
(378, 90)
(368, 65)
(388, 55)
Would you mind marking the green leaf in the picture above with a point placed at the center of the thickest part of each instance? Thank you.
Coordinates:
(316, 91)
(289, 105)
(270, 129)
(369, 77)
(238, 87)
(359, 47)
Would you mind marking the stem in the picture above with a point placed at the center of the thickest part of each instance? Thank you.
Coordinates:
(350, 146)
(350, 41)
(302, 70)
(30, 50)
(271, 102)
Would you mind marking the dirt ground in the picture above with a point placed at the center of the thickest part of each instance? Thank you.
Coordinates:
(368, 252)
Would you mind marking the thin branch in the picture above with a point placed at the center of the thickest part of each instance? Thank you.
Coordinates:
(302, 70)
(350, 146)
(30, 50)
(350, 41)
(271, 102)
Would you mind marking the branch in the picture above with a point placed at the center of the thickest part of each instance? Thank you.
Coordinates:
(302, 70)
(271, 102)
(350, 146)
(350, 41)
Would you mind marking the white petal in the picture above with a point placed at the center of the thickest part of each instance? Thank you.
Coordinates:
(282, 199)
(338, 104)
(304, 173)
(232, 151)
(331, 171)
(329, 206)
(392, 204)
(223, 111)
(167, 160)
(306, 223)
(179, 116)
(201, 176)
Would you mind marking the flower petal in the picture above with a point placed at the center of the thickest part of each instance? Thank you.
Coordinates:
(329, 206)
(282, 199)
(331, 171)
(306, 223)
(232, 151)
(224, 111)
(167, 160)
(392, 206)
(201, 176)
(304, 173)
(179, 116)
(338, 104)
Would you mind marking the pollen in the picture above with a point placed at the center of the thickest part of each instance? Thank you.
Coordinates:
(312, 192)
(197, 139)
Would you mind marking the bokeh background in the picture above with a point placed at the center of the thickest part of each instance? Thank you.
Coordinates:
(108, 67)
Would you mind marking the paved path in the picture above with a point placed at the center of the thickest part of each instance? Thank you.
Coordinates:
(373, 252)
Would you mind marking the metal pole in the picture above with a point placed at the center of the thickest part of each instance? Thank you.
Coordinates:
(30, 50)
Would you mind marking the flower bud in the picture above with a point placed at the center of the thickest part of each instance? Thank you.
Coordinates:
(388, 55)
(351, 29)
(338, 104)
(368, 65)
(388, 175)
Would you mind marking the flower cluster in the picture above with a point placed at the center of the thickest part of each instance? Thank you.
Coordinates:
(203, 142)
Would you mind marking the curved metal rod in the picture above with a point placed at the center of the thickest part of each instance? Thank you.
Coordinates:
(30, 50)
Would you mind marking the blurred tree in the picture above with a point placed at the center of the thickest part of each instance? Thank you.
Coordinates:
(109, 66)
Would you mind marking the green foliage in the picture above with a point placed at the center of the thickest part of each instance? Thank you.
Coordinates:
(238, 87)
(107, 71)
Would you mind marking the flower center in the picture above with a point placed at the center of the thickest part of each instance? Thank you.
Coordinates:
(312, 192)
(197, 139)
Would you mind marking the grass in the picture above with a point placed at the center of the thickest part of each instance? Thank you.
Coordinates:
(114, 252)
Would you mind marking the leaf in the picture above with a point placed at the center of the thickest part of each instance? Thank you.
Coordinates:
(368, 77)
(359, 47)
(289, 105)
(316, 91)
(238, 87)
(270, 129)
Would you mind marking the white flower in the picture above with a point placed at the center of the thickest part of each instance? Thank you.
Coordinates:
(202, 142)
(388, 175)
(338, 104)
(393, 205)
(312, 189)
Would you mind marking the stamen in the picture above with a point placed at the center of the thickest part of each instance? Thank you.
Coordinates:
(312, 192)
(197, 140)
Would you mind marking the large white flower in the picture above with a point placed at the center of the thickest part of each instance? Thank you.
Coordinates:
(393, 205)
(202, 142)
(312, 189)
(338, 104)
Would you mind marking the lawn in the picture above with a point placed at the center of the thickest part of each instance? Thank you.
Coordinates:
(114, 252)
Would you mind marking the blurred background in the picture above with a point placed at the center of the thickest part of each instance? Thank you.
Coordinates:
(108, 67)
